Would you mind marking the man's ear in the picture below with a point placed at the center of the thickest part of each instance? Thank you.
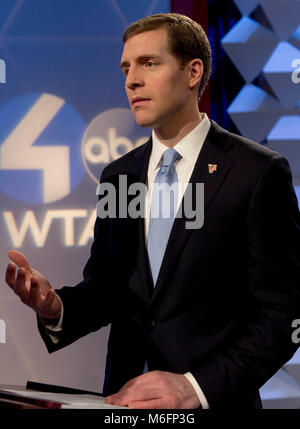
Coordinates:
(196, 72)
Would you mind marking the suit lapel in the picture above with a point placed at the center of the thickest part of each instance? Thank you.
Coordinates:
(214, 152)
(144, 287)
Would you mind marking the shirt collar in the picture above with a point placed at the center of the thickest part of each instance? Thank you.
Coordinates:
(189, 147)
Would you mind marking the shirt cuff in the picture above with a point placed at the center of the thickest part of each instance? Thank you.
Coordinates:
(52, 328)
(198, 390)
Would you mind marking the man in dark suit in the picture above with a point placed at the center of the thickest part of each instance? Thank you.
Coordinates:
(200, 317)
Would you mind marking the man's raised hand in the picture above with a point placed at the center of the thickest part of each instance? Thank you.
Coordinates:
(32, 287)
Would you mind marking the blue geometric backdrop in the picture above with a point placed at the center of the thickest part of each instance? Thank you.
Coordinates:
(265, 47)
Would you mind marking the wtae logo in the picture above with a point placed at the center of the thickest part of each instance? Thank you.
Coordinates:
(2, 71)
(40, 231)
(110, 135)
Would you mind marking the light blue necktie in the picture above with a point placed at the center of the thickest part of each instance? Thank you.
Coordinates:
(163, 210)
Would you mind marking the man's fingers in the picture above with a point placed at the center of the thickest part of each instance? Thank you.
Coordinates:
(35, 294)
(19, 259)
(143, 393)
(17, 281)
(154, 404)
(135, 389)
(10, 276)
(20, 287)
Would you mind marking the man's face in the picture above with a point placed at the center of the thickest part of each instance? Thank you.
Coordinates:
(157, 88)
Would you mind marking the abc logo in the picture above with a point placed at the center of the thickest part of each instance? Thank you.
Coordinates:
(105, 141)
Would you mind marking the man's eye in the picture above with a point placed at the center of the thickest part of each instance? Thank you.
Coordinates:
(149, 64)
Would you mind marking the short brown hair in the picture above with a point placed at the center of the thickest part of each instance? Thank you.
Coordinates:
(187, 39)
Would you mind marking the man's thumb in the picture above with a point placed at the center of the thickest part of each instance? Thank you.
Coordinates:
(19, 259)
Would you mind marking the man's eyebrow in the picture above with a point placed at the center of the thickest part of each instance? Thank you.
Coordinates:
(141, 58)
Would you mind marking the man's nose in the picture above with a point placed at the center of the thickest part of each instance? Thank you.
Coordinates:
(134, 78)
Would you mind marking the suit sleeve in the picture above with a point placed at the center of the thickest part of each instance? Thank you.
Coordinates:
(89, 305)
(265, 342)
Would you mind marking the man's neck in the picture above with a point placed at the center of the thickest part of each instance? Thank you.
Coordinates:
(171, 137)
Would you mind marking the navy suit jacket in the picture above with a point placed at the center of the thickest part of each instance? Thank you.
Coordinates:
(226, 294)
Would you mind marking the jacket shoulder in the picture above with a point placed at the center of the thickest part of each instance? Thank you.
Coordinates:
(247, 151)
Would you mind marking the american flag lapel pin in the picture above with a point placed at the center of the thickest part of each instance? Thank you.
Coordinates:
(212, 168)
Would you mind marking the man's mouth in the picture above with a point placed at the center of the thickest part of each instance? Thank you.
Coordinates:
(138, 101)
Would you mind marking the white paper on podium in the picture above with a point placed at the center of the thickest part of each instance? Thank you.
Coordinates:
(67, 400)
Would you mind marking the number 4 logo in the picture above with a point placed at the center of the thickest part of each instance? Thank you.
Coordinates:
(18, 153)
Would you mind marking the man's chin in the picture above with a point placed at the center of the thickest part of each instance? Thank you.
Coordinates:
(144, 123)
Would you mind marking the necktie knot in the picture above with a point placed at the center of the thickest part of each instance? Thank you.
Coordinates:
(169, 157)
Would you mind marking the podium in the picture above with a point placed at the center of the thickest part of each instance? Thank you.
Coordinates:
(44, 396)
(9, 398)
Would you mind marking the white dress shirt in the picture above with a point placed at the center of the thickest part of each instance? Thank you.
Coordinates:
(189, 148)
